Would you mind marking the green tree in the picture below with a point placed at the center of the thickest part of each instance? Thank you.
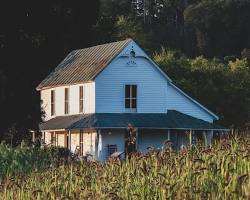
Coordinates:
(221, 27)
(125, 27)
(221, 86)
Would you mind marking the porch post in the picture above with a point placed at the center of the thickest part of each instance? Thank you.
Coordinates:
(81, 142)
(44, 137)
(56, 136)
(208, 135)
(69, 140)
(190, 136)
(54, 139)
(168, 134)
(33, 136)
(136, 139)
(99, 144)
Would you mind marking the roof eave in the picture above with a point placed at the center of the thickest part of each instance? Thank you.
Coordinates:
(63, 85)
(119, 46)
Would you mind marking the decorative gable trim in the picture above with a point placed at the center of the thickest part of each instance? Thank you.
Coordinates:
(143, 54)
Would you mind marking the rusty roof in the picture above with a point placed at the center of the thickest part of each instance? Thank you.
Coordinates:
(83, 65)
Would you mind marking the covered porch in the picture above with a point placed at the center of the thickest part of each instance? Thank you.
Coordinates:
(102, 134)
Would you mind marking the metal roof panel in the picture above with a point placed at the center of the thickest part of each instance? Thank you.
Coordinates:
(170, 120)
(83, 65)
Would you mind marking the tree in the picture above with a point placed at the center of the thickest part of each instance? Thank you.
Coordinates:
(125, 28)
(221, 27)
(222, 86)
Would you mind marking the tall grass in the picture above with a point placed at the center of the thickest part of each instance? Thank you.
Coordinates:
(221, 172)
(23, 159)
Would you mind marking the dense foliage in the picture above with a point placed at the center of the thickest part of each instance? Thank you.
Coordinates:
(218, 84)
(221, 172)
(36, 36)
(23, 160)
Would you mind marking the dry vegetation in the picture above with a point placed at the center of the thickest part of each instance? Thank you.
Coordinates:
(221, 172)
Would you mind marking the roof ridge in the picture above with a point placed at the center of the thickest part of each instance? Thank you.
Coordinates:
(88, 62)
(99, 45)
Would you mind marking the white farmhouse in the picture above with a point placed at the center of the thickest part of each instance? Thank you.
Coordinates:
(96, 93)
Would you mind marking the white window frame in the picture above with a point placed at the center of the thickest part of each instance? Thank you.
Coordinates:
(53, 111)
(81, 100)
(130, 98)
(67, 88)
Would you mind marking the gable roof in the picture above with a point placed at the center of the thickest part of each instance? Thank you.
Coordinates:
(170, 120)
(83, 65)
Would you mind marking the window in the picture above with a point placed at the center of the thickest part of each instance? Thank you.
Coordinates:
(111, 149)
(130, 96)
(66, 101)
(52, 102)
(81, 98)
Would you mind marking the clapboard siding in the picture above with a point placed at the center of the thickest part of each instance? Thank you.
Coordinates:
(177, 101)
(60, 137)
(75, 141)
(155, 94)
(89, 143)
(89, 99)
(111, 137)
(47, 137)
(151, 138)
(151, 86)
(89, 95)
(45, 103)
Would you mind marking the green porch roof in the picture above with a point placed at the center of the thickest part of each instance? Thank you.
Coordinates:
(170, 120)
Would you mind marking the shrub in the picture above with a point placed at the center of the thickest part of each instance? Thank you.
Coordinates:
(23, 159)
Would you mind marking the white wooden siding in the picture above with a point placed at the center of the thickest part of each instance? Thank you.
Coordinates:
(111, 137)
(89, 143)
(47, 138)
(75, 141)
(45, 103)
(89, 95)
(151, 138)
(106, 95)
(60, 139)
(89, 101)
(177, 101)
(151, 85)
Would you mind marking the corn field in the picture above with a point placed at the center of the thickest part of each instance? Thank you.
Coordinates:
(220, 172)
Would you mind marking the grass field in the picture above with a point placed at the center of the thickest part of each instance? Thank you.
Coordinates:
(220, 172)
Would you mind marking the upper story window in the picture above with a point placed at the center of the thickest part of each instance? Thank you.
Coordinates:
(131, 97)
(66, 101)
(52, 102)
(81, 98)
